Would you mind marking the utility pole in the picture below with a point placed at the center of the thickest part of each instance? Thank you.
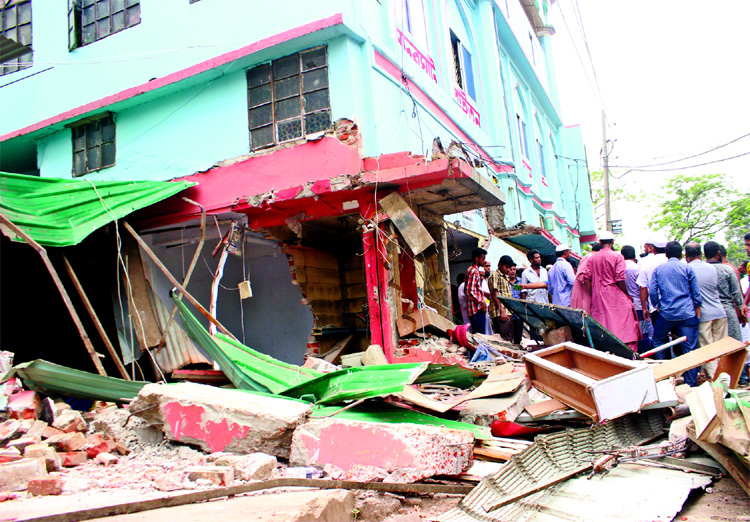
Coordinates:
(605, 164)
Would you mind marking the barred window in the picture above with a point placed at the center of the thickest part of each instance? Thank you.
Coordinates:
(15, 30)
(288, 98)
(93, 145)
(92, 20)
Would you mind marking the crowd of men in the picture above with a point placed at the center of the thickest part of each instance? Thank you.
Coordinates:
(641, 300)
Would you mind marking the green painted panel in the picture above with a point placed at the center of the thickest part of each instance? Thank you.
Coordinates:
(53, 379)
(63, 212)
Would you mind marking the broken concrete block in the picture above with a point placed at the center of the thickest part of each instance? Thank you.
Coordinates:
(36, 428)
(71, 459)
(106, 459)
(255, 466)
(67, 441)
(69, 421)
(24, 405)
(49, 431)
(9, 455)
(218, 419)
(22, 442)
(46, 486)
(44, 451)
(407, 452)
(15, 476)
(219, 475)
(483, 412)
(377, 507)
(9, 430)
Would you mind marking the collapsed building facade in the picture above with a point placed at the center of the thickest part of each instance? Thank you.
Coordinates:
(348, 156)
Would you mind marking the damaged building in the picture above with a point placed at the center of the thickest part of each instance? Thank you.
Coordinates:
(344, 159)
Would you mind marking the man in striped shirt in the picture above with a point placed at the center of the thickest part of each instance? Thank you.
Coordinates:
(475, 302)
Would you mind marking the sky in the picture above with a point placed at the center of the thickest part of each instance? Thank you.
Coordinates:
(673, 77)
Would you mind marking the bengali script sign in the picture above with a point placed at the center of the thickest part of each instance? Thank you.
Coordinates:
(466, 105)
(421, 59)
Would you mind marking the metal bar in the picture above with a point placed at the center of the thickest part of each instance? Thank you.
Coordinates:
(189, 273)
(201, 496)
(63, 293)
(172, 280)
(664, 346)
(95, 319)
(588, 332)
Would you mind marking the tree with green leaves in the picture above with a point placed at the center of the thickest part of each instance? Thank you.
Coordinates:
(701, 208)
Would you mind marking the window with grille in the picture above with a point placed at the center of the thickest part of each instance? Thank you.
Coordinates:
(92, 20)
(288, 98)
(463, 67)
(15, 29)
(93, 145)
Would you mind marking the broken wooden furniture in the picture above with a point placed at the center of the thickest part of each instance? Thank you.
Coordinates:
(731, 353)
(597, 384)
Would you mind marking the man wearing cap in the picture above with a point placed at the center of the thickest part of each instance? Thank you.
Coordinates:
(502, 321)
(656, 247)
(534, 279)
(611, 304)
(561, 277)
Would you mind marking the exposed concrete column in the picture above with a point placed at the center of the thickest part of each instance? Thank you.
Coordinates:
(376, 278)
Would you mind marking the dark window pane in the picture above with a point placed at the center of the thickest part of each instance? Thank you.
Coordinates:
(261, 116)
(118, 21)
(9, 18)
(318, 121)
(118, 5)
(314, 80)
(79, 139)
(108, 130)
(288, 130)
(259, 75)
(92, 135)
(24, 34)
(288, 109)
(89, 33)
(313, 59)
(88, 15)
(259, 95)
(134, 15)
(317, 100)
(108, 154)
(24, 13)
(261, 137)
(287, 88)
(87, 3)
(79, 163)
(285, 67)
(102, 9)
(131, 2)
(102, 28)
(93, 161)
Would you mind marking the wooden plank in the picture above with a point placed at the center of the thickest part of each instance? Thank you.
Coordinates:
(494, 454)
(146, 328)
(732, 364)
(322, 291)
(725, 457)
(318, 275)
(697, 358)
(426, 317)
(415, 234)
(703, 409)
(335, 350)
(540, 409)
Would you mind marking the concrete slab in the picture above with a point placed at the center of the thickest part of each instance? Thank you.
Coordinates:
(333, 505)
(218, 419)
(350, 450)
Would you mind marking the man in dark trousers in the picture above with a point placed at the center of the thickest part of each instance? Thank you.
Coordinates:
(475, 302)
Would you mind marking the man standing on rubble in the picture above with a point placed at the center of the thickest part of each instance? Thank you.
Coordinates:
(475, 303)
(502, 321)
(561, 277)
(713, 321)
(674, 291)
(611, 305)
(656, 249)
(634, 291)
(534, 279)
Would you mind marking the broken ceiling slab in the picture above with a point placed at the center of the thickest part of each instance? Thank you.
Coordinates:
(415, 234)
(598, 384)
(586, 330)
(53, 379)
(556, 455)
(62, 212)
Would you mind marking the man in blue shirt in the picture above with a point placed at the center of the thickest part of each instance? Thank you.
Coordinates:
(561, 277)
(675, 292)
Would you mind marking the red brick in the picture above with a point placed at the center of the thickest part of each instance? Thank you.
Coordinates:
(121, 448)
(219, 475)
(10, 429)
(96, 444)
(9, 455)
(46, 486)
(49, 431)
(70, 459)
(21, 443)
(36, 428)
(24, 405)
(15, 476)
(68, 441)
(43, 451)
(70, 421)
(106, 459)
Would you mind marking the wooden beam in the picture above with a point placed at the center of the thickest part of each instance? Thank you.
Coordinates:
(95, 318)
(701, 356)
(60, 288)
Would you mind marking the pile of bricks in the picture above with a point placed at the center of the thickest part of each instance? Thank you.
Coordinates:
(34, 451)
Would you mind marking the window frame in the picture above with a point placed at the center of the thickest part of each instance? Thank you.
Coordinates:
(522, 136)
(78, 23)
(85, 128)
(463, 79)
(23, 60)
(281, 102)
(410, 14)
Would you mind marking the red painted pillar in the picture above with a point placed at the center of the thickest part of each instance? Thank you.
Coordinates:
(376, 274)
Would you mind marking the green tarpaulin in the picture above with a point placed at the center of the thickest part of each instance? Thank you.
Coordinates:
(63, 212)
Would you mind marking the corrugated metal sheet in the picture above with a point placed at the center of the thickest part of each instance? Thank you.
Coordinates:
(62, 212)
(53, 379)
(179, 350)
(551, 456)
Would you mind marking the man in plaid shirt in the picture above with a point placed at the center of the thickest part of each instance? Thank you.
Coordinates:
(502, 321)
(474, 296)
